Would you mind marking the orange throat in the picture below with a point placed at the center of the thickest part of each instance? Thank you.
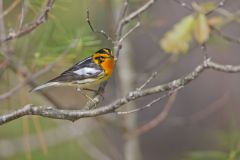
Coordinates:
(108, 66)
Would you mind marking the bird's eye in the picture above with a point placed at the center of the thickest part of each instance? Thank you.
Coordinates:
(100, 59)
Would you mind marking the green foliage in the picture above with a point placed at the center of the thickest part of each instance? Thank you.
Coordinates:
(214, 155)
(14, 129)
(207, 155)
(70, 150)
(231, 151)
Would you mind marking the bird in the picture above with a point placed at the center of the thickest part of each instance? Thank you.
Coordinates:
(92, 70)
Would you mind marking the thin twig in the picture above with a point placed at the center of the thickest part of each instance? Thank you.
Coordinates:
(154, 74)
(129, 32)
(204, 51)
(159, 118)
(10, 8)
(125, 21)
(124, 12)
(226, 37)
(32, 26)
(148, 105)
(22, 15)
(97, 97)
(108, 37)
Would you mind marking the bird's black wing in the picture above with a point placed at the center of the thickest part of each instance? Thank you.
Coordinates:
(80, 71)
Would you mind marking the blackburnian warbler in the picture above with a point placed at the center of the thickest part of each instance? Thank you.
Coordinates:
(92, 70)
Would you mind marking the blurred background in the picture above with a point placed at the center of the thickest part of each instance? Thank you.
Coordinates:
(203, 122)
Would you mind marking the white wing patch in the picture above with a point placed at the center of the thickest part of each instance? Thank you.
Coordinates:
(87, 71)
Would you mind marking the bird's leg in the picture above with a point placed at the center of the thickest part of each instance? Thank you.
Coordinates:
(95, 91)
(100, 93)
(80, 90)
(91, 90)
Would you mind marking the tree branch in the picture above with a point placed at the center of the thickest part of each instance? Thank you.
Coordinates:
(50, 112)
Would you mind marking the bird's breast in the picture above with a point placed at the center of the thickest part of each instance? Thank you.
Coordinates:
(108, 66)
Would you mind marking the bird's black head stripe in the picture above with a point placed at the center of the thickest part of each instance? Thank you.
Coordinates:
(103, 50)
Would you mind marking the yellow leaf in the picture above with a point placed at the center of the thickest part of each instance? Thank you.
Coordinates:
(201, 28)
(177, 40)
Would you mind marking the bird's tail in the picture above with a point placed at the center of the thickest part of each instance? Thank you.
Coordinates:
(49, 84)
